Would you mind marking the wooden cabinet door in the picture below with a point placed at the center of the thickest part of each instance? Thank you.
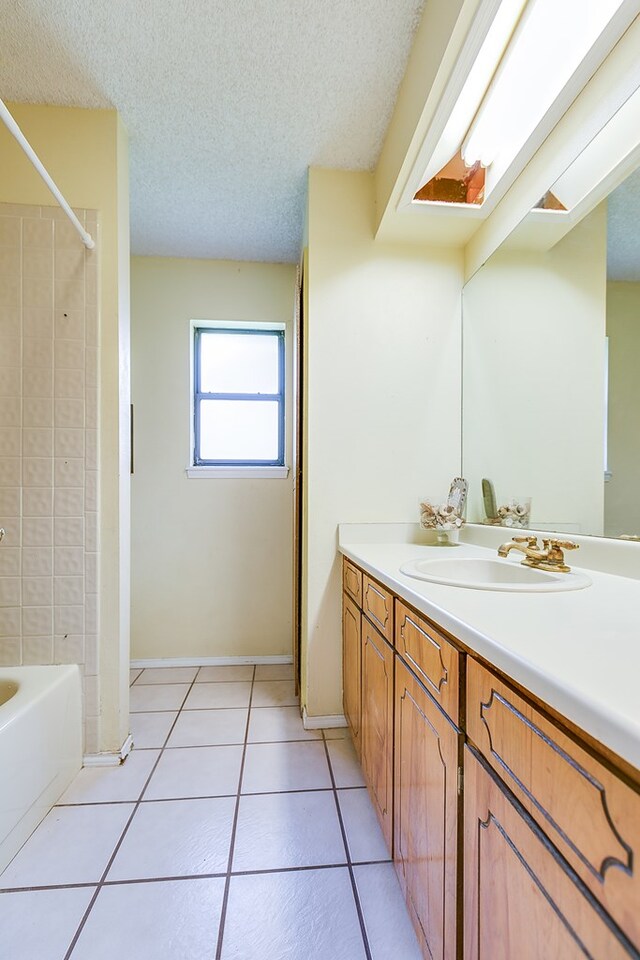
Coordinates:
(377, 724)
(588, 812)
(377, 603)
(520, 900)
(434, 660)
(352, 581)
(426, 815)
(351, 652)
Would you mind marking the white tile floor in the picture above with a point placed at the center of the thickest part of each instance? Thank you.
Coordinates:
(230, 833)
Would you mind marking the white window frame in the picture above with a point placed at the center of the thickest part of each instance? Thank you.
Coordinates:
(232, 472)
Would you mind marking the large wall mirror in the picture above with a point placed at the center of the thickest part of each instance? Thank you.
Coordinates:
(551, 355)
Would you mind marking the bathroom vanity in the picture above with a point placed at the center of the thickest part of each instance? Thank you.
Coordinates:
(499, 735)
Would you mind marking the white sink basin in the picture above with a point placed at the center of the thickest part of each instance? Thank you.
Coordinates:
(479, 573)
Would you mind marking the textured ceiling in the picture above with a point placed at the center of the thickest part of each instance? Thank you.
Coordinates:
(623, 230)
(226, 103)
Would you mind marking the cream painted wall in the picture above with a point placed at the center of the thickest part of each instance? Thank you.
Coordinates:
(211, 558)
(622, 492)
(533, 379)
(382, 396)
(85, 151)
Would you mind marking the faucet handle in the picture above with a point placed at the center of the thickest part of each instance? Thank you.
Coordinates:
(530, 541)
(564, 544)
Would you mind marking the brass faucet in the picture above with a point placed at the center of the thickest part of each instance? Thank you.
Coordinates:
(550, 557)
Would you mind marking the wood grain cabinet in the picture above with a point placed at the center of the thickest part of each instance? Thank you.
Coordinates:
(352, 581)
(426, 815)
(377, 603)
(588, 812)
(377, 725)
(541, 859)
(520, 898)
(434, 660)
(351, 658)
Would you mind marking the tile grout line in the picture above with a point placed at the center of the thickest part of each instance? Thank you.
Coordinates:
(225, 896)
(238, 743)
(150, 686)
(103, 877)
(202, 683)
(354, 888)
(194, 876)
(230, 873)
(208, 796)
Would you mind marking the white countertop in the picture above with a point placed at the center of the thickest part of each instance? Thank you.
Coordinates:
(577, 651)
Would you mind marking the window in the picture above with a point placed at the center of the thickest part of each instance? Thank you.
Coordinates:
(238, 397)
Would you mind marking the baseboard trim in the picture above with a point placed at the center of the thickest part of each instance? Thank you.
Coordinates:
(109, 759)
(206, 661)
(318, 723)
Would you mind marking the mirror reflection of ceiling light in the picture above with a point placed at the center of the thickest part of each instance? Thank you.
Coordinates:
(607, 156)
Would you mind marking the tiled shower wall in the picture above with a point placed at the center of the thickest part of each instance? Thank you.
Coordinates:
(49, 446)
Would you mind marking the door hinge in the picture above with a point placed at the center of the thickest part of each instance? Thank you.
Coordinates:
(460, 781)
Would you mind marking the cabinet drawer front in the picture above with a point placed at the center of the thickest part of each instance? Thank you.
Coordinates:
(433, 659)
(377, 603)
(520, 901)
(591, 815)
(376, 725)
(426, 814)
(352, 581)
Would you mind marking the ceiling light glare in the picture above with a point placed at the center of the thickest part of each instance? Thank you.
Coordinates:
(549, 43)
(478, 80)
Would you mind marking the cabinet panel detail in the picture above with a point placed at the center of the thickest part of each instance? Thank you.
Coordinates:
(430, 656)
(602, 847)
(519, 898)
(351, 654)
(378, 605)
(352, 581)
(426, 814)
(588, 813)
(377, 724)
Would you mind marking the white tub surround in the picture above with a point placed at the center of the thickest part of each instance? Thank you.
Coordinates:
(40, 747)
(49, 459)
(576, 651)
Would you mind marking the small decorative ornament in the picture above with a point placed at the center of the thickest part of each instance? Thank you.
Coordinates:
(439, 516)
(515, 513)
(458, 495)
(445, 518)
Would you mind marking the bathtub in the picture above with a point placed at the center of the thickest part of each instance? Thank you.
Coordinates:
(40, 747)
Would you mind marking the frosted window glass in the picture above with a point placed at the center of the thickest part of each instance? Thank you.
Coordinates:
(236, 363)
(239, 430)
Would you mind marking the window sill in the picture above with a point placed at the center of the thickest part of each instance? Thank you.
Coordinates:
(237, 473)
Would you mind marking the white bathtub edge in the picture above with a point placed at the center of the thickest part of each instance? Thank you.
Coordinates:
(35, 815)
(57, 709)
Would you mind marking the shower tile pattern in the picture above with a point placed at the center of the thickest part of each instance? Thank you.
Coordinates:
(48, 445)
(227, 851)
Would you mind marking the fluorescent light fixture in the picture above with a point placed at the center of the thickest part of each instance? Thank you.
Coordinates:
(550, 42)
(478, 80)
(532, 55)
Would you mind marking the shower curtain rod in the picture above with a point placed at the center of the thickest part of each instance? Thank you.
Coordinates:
(14, 129)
